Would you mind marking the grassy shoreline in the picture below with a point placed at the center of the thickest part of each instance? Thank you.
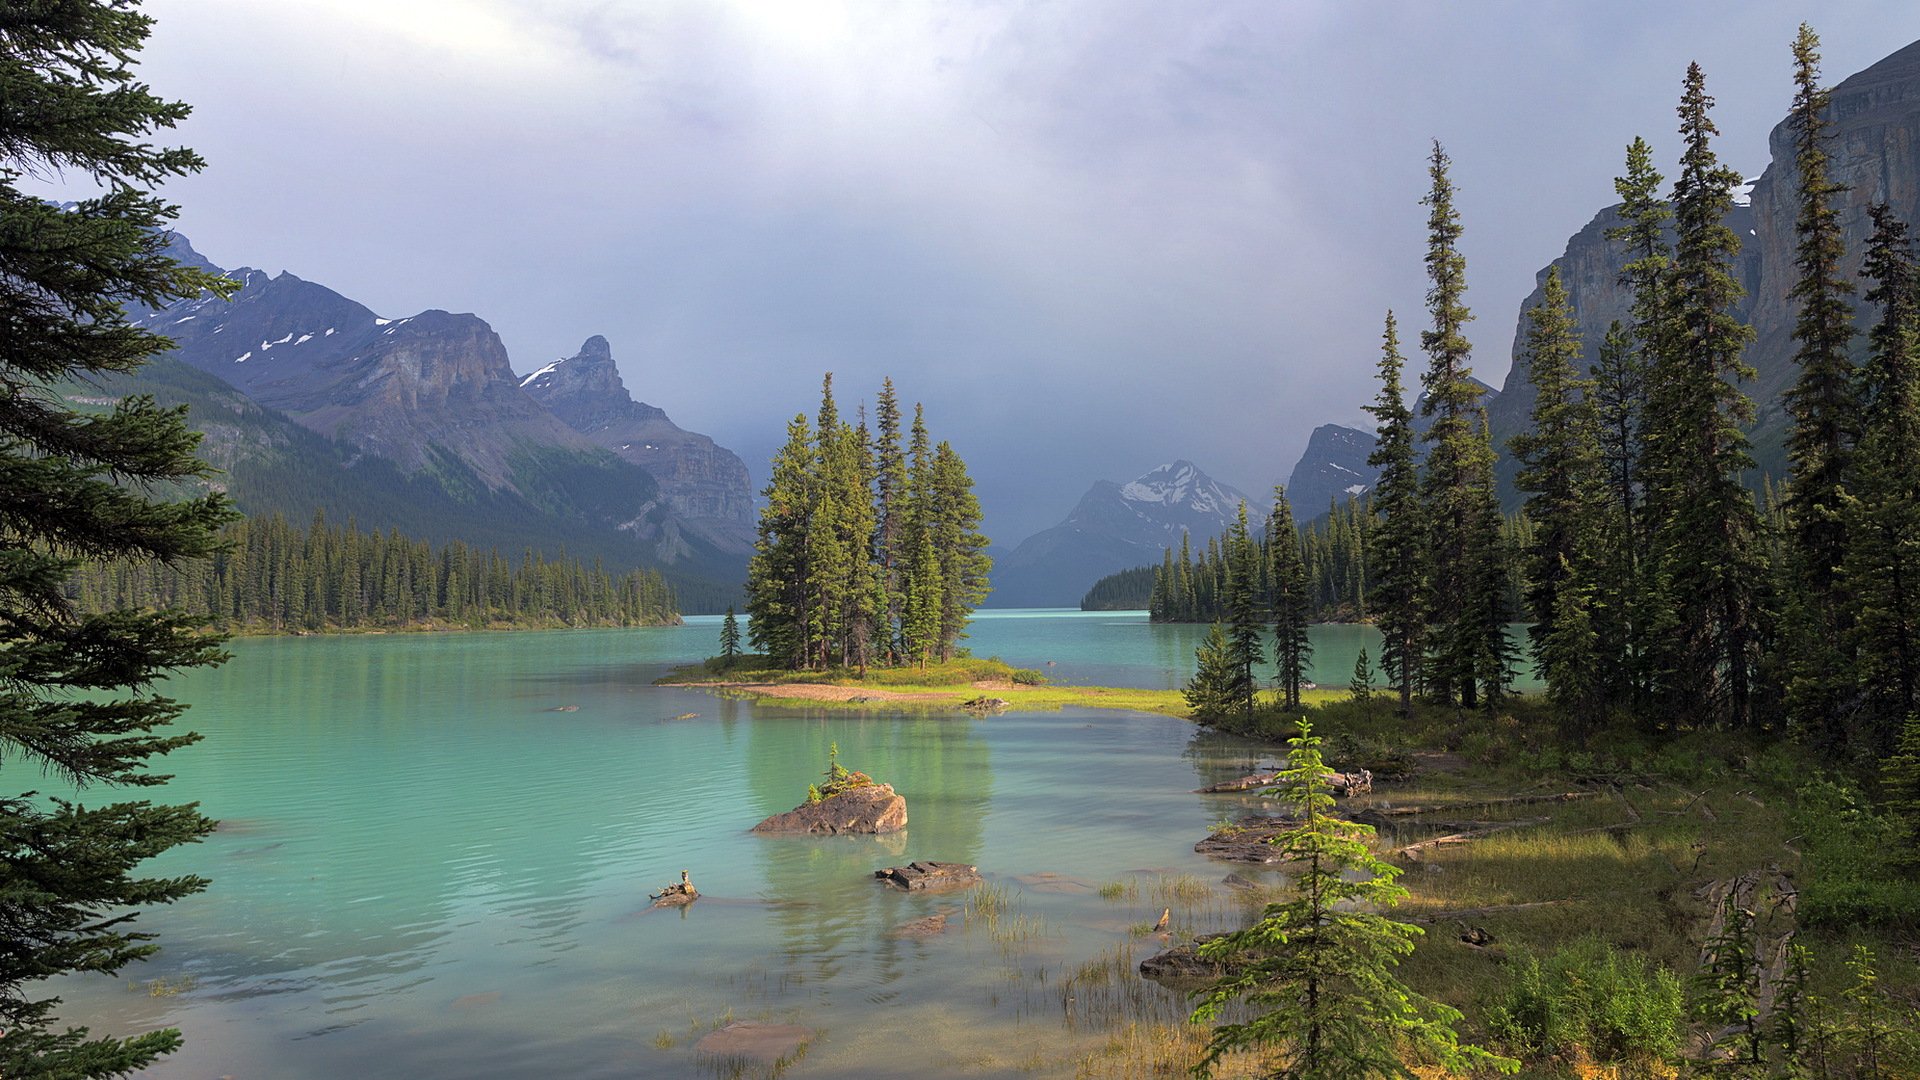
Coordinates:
(937, 686)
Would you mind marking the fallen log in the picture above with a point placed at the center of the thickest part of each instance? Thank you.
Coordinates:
(1413, 851)
(1491, 909)
(1516, 800)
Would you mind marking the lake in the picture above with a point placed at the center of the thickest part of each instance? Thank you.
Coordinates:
(425, 870)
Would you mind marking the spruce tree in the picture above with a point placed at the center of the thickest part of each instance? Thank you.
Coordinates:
(890, 514)
(1825, 412)
(1727, 987)
(76, 690)
(729, 639)
(1882, 569)
(1399, 539)
(1560, 473)
(1360, 684)
(1316, 972)
(1704, 521)
(1243, 611)
(955, 530)
(1616, 388)
(1451, 507)
(1292, 647)
(1483, 619)
(777, 573)
(1213, 694)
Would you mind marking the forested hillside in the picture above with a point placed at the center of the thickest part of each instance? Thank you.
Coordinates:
(275, 578)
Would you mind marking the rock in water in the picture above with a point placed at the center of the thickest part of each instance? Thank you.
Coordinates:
(871, 809)
(679, 894)
(1250, 841)
(755, 1039)
(1181, 964)
(930, 876)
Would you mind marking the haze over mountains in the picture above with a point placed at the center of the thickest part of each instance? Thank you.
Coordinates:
(426, 412)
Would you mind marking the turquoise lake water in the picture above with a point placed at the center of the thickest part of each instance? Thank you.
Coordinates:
(425, 871)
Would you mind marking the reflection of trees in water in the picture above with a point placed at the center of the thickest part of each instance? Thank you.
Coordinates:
(834, 918)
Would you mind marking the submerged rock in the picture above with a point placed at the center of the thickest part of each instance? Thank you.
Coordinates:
(930, 876)
(932, 926)
(755, 1039)
(870, 809)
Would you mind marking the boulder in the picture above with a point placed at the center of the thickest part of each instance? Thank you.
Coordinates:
(679, 894)
(870, 809)
(930, 876)
(1182, 964)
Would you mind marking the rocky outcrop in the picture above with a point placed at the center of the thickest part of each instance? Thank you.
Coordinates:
(871, 809)
(1332, 469)
(1250, 840)
(930, 876)
(705, 483)
(1875, 152)
(1182, 964)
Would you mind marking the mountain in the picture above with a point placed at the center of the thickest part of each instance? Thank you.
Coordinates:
(705, 483)
(1876, 116)
(1113, 527)
(396, 416)
(1333, 468)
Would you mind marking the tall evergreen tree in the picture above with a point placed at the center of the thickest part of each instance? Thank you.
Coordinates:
(1825, 412)
(777, 573)
(1560, 473)
(1882, 569)
(1241, 594)
(729, 638)
(1451, 507)
(890, 512)
(1400, 537)
(1484, 617)
(1291, 606)
(1704, 521)
(1213, 694)
(1822, 402)
(1316, 971)
(964, 563)
(1617, 391)
(76, 697)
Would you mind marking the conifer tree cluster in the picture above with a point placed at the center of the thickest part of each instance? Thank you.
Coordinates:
(869, 552)
(276, 578)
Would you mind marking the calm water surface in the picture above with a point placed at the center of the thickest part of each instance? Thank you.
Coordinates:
(424, 870)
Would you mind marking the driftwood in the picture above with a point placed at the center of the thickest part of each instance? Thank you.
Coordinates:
(1462, 914)
(1414, 851)
(1344, 784)
(1516, 800)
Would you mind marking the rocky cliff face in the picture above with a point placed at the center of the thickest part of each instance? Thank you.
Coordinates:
(1333, 468)
(1875, 151)
(705, 483)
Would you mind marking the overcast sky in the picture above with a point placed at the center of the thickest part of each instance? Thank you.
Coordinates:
(1091, 235)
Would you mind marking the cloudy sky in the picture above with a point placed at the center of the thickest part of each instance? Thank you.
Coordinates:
(1091, 235)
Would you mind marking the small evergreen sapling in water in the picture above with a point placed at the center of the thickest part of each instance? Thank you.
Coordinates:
(1317, 970)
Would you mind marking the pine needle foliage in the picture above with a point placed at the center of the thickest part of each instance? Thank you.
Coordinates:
(76, 689)
(1317, 969)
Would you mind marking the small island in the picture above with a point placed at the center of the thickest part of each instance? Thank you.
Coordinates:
(849, 803)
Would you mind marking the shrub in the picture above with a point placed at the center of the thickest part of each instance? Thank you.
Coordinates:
(1027, 677)
(1587, 998)
(1848, 878)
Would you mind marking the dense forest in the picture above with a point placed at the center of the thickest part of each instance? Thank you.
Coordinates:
(1190, 585)
(1663, 592)
(276, 578)
(869, 552)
